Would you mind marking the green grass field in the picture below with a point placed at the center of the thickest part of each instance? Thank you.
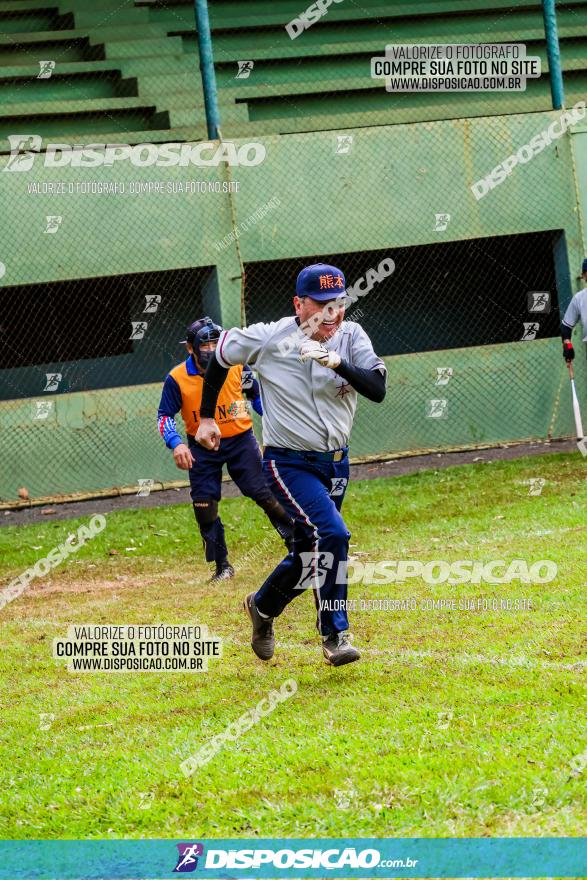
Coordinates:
(454, 723)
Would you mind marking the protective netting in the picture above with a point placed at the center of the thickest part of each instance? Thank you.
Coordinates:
(107, 255)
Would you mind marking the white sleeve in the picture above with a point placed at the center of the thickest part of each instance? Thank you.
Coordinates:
(572, 313)
(362, 353)
(242, 346)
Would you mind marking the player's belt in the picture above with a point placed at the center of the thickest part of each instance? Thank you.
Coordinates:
(334, 455)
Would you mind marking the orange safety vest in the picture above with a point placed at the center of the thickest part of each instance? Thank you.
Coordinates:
(232, 415)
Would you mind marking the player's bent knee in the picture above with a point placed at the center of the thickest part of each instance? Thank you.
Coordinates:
(336, 533)
(205, 511)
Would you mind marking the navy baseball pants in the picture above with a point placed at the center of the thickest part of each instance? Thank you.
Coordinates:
(242, 457)
(311, 487)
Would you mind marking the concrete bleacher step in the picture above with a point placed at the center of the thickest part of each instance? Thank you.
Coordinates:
(122, 31)
(62, 89)
(143, 48)
(36, 24)
(130, 69)
(28, 69)
(84, 88)
(106, 79)
(328, 40)
(311, 78)
(405, 114)
(190, 100)
(184, 90)
(181, 117)
(28, 40)
(125, 33)
(167, 83)
(180, 18)
(326, 123)
(160, 65)
(26, 44)
(112, 127)
(332, 49)
(158, 75)
(21, 6)
(262, 15)
(118, 69)
(92, 5)
(28, 17)
(67, 108)
(96, 18)
(112, 33)
(11, 55)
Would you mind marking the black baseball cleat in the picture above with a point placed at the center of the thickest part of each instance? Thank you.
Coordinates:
(224, 571)
(262, 640)
(338, 650)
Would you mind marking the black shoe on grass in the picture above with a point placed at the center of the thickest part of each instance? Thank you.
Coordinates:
(262, 640)
(338, 650)
(224, 571)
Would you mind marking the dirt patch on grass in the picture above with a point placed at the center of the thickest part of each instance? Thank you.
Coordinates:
(86, 582)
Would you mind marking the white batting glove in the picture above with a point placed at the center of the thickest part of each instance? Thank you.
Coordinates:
(315, 351)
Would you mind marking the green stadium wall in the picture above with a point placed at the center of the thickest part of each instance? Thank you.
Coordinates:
(399, 177)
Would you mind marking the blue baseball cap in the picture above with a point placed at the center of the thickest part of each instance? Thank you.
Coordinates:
(584, 269)
(321, 282)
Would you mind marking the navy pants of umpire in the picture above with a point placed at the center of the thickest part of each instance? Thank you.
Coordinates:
(311, 487)
(242, 457)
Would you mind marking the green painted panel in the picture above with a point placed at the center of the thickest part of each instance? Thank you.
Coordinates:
(399, 177)
(109, 438)
(101, 237)
(580, 154)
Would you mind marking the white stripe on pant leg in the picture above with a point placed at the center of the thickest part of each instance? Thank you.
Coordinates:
(288, 494)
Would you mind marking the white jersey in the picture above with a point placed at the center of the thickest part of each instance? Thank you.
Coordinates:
(577, 311)
(305, 406)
